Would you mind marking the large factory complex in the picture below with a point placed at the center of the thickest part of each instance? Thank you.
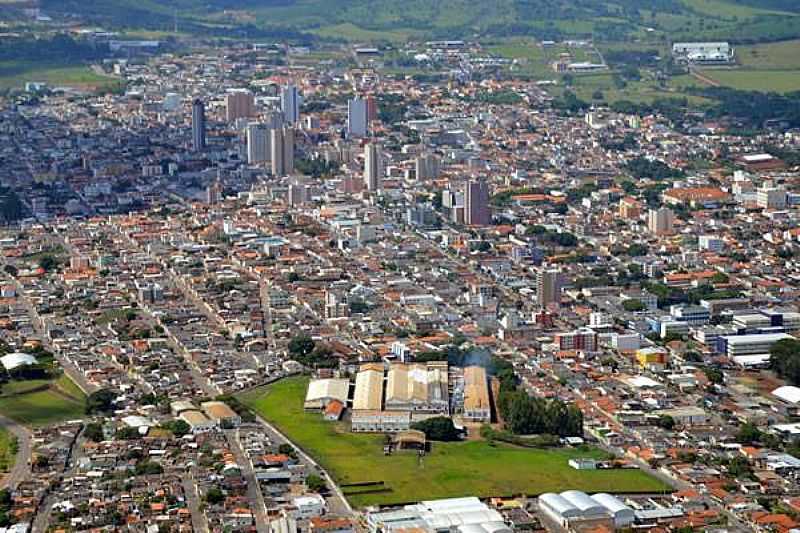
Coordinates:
(389, 398)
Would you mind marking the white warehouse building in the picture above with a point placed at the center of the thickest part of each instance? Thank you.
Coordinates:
(574, 506)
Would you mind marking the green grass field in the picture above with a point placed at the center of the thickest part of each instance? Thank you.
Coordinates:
(7, 444)
(782, 81)
(28, 404)
(450, 470)
(14, 75)
(783, 55)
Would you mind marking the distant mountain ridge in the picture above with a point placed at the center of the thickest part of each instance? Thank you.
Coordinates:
(353, 19)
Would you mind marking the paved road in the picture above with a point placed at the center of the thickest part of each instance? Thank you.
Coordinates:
(199, 521)
(22, 462)
(42, 519)
(254, 493)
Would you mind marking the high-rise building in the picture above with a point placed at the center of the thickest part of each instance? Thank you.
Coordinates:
(476, 204)
(426, 167)
(290, 104)
(660, 221)
(548, 286)
(372, 167)
(198, 125)
(257, 144)
(357, 117)
(239, 103)
(214, 193)
(282, 150)
(297, 194)
(372, 108)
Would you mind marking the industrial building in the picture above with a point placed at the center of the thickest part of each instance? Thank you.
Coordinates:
(418, 387)
(454, 515)
(321, 392)
(574, 507)
(716, 52)
(476, 395)
(376, 421)
(369, 388)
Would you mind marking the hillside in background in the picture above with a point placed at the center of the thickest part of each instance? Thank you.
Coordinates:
(374, 20)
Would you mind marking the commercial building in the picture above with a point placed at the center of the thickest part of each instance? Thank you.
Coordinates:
(771, 198)
(476, 395)
(239, 103)
(710, 243)
(584, 339)
(476, 204)
(357, 117)
(749, 345)
(652, 358)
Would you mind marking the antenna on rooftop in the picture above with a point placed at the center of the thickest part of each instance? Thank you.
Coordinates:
(175, 20)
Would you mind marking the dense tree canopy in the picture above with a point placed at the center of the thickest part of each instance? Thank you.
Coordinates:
(785, 360)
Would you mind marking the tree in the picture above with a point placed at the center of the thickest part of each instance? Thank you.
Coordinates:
(665, 422)
(748, 434)
(287, 449)
(101, 401)
(439, 428)
(714, 375)
(785, 359)
(94, 432)
(633, 305)
(214, 496)
(48, 262)
(301, 345)
(315, 483)
(178, 427)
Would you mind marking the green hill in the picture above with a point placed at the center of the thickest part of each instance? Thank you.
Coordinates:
(616, 20)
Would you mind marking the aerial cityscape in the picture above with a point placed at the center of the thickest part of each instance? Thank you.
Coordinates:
(351, 266)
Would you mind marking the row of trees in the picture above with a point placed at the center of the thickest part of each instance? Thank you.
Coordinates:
(526, 415)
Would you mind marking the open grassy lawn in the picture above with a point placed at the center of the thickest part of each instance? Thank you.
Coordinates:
(14, 75)
(7, 452)
(784, 55)
(30, 404)
(450, 470)
(782, 81)
(726, 9)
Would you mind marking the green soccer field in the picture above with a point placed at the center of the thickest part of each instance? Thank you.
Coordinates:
(450, 470)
